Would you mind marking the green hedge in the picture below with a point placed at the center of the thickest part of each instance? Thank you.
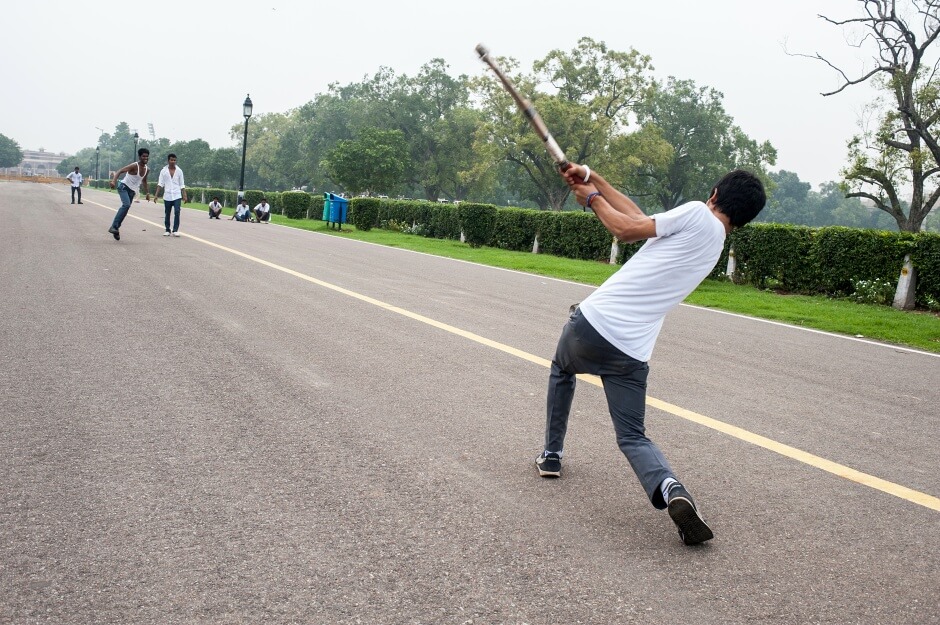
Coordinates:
(515, 229)
(926, 259)
(827, 260)
(573, 234)
(254, 197)
(364, 212)
(478, 222)
(295, 204)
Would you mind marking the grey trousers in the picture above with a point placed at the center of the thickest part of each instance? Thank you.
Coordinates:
(582, 350)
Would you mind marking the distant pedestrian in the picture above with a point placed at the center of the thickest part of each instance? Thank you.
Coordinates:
(76, 179)
(174, 190)
(215, 208)
(242, 211)
(128, 187)
(263, 212)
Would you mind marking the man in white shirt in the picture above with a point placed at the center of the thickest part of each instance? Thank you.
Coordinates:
(76, 179)
(215, 208)
(242, 211)
(174, 190)
(612, 333)
(263, 212)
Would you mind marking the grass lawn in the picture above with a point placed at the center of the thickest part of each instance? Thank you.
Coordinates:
(917, 329)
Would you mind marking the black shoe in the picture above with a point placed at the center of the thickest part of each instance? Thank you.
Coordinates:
(81, 202)
(549, 464)
(692, 527)
(115, 232)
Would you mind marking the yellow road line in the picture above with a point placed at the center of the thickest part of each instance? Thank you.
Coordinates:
(908, 494)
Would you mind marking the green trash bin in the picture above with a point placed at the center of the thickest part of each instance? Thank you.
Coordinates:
(326, 206)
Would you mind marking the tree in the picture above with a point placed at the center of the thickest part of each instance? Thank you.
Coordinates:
(595, 89)
(899, 152)
(792, 201)
(705, 144)
(375, 161)
(10, 153)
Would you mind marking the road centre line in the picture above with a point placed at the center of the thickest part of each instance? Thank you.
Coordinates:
(865, 479)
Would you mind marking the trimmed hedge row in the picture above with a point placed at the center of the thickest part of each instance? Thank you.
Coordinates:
(795, 258)
(296, 204)
(827, 260)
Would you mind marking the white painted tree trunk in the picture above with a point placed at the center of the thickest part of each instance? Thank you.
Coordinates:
(614, 251)
(907, 284)
(535, 245)
(732, 265)
(463, 239)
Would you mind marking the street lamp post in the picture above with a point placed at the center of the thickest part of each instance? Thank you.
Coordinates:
(97, 151)
(136, 139)
(246, 111)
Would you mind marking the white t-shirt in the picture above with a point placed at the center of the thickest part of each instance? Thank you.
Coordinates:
(241, 210)
(76, 178)
(214, 205)
(173, 185)
(263, 208)
(628, 309)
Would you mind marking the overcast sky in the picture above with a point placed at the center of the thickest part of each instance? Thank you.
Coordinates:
(185, 67)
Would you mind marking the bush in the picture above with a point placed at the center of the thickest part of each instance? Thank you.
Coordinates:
(274, 199)
(219, 193)
(254, 197)
(364, 212)
(925, 256)
(515, 229)
(295, 204)
(773, 255)
(875, 291)
(573, 234)
(444, 222)
(477, 222)
(833, 259)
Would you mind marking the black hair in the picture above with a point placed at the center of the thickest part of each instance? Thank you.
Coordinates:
(169, 156)
(741, 196)
(142, 151)
(215, 197)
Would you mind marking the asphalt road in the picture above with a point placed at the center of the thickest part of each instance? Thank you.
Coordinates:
(252, 424)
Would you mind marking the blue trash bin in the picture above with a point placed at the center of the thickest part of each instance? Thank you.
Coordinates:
(335, 210)
(342, 209)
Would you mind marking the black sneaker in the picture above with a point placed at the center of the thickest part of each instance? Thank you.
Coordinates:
(549, 464)
(115, 232)
(692, 527)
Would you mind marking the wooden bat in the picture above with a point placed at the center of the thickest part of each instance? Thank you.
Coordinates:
(528, 110)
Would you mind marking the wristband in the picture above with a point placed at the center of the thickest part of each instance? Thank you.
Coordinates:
(590, 198)
(587, 173)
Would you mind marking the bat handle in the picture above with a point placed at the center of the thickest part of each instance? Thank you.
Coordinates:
(564, 166)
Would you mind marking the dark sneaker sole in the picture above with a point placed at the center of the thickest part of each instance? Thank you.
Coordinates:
(692, 528)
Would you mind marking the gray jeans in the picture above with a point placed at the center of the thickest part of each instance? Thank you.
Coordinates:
(582, 350)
